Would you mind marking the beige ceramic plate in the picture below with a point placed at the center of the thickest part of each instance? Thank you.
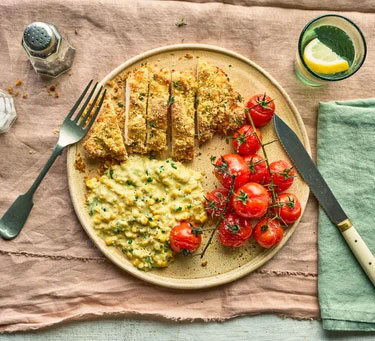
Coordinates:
(223, 264)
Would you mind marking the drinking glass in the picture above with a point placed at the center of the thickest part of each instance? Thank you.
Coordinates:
(309, 77)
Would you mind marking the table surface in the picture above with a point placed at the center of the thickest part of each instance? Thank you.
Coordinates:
(263, 327)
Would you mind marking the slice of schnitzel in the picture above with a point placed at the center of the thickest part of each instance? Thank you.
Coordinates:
(184, 87)
(104, 140)
(157, 109)
(136, 94)
(220, 107)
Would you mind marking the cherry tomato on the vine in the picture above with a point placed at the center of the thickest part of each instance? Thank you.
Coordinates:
(215, 202)
(182, 238)
(268, 232)
(261, 109)
(245, 142)
(290, 207)
(282, 174)
(251, 200)
(231, 164)
(258, 168)
(234, 230)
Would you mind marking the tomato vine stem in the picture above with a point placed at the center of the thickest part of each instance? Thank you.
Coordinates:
(263, 145)
(222, 215)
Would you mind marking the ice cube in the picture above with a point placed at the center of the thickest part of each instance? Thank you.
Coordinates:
(8, 112)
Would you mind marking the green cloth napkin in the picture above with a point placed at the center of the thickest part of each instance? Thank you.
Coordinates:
(346, 159)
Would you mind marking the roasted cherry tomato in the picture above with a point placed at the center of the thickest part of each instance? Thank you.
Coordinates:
(235, 165)
(261, 109)
(258, 168)
(182, 238)
(234, 230)
(290, 207)
(282, 175)
(215, 202)
(268, 232)
(245, 142)
(251, 200)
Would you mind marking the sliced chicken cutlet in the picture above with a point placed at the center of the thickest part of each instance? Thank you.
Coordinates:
(136, 94)
(104, 140)
(157, 109)
(184, 87)
(207, 98)
(220, 107)
(116, 91)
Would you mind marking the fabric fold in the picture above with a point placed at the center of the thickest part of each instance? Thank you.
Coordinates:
(346, 140)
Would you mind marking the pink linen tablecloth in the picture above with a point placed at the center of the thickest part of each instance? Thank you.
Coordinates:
(52, 272)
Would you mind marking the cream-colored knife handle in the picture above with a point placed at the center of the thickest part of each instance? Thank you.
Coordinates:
(361, 252)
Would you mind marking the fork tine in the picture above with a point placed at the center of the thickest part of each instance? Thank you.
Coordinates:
(75, 106)
(82, 123)
(85, 104)
(96, 112)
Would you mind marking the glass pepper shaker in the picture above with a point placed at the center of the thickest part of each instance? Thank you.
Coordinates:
(49, 53)
(8, 112)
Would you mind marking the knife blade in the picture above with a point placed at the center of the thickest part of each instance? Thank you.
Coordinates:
(306, 167)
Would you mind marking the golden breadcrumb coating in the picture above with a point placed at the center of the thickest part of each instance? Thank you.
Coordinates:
(136, 95)
(220, 107)
(104, 140)
(184, 87)
(157, 109)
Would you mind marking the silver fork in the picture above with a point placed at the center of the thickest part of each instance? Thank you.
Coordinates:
(71, 131)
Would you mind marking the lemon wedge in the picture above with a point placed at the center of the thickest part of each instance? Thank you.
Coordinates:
(321, 59)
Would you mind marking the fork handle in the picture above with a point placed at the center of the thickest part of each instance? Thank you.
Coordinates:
(15, 217)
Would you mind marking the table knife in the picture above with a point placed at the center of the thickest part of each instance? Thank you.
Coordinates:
(307, 169)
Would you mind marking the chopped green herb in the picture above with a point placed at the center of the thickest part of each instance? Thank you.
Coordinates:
(188, 206)
(171, 100)
(230, 65)
(130, 241)
(116, 230)
(179, 208)
(212, 158)
(227, 140)
(120, 104)
(178, 85)
(181, 22)
(92, 205)
(149, 260)
(152, 124)
(155, 78)
(146, 171)
(111, 173)
(129, 183)
(104, 209)
(173, 165)
(149, 179)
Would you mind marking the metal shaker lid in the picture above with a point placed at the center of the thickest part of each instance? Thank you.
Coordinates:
(39, 37)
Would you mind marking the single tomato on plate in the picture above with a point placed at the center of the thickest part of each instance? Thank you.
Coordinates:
(268, 232)
(251, 200)
(261, 109)
(282, 173)
(258, 168)
(245, 141)
(234, 230)
(182, 238)
(290, 207)
(231, 164)
(215, 202)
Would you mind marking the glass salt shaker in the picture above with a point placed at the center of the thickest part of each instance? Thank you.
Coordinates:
(8, 113)
(49, 53)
